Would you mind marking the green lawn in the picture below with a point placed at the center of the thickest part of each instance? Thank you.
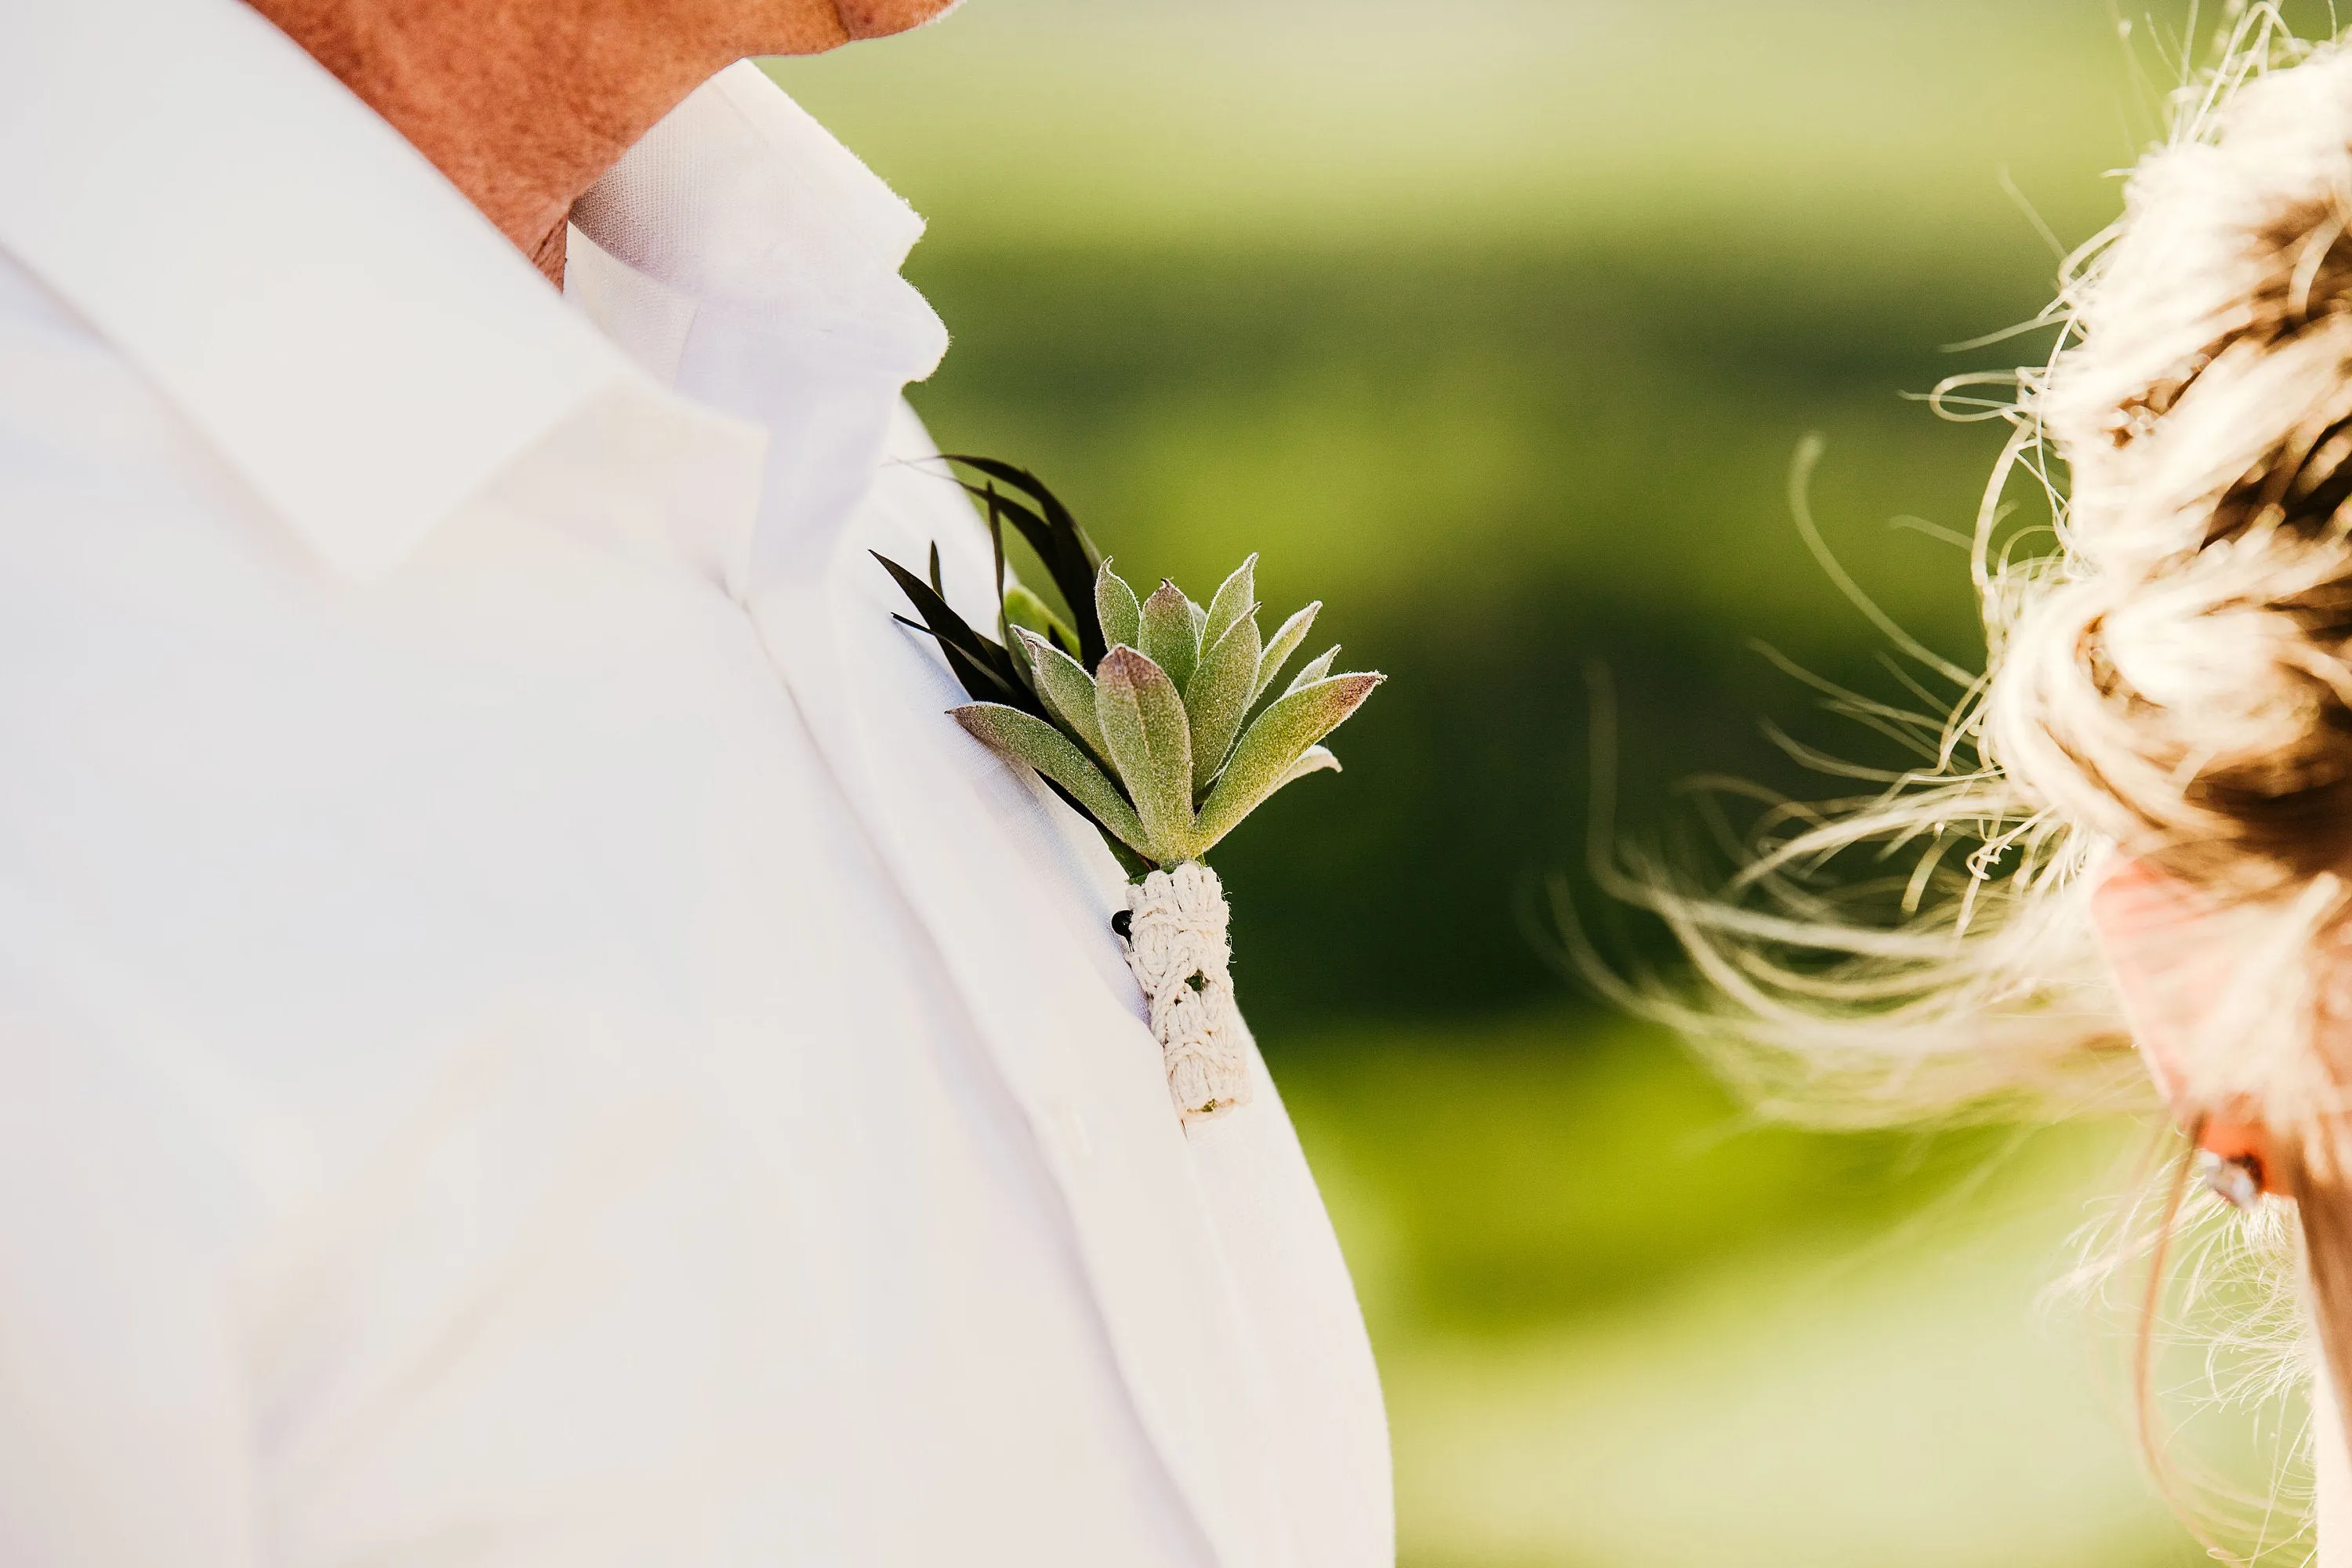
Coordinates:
(1619, 1323)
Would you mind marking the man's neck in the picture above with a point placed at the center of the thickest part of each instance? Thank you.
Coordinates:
(524, 110)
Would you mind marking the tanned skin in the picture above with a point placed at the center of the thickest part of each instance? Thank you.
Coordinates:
(524, 104)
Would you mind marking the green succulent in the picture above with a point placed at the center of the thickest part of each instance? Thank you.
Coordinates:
(1151, 716)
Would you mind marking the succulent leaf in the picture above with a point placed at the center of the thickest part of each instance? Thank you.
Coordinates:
(1118, 611)
(1068, 688)
(1275, 741)
(1235, 598)
(1028, 739)
(1284, 643)
(1143, 724)
(1016, 643)
(1317, 668)
(1169, 744)
(1313, 759)
(1069, 556)
(1171, 638)
(1218, 697)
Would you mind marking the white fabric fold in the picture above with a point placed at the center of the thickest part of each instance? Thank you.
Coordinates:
(542, 1044)
(285, 268)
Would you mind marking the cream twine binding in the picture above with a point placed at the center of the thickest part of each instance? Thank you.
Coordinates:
(1177, 946)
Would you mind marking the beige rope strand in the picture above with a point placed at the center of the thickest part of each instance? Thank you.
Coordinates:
(1178, 949)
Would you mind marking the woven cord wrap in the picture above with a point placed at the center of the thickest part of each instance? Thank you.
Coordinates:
(1176, 945)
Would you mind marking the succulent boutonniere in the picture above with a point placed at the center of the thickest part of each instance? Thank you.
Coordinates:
(1157, 719)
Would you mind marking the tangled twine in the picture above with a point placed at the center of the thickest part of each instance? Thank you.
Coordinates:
(1177, 947)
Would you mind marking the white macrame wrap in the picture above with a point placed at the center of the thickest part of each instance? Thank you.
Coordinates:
(1176, 945)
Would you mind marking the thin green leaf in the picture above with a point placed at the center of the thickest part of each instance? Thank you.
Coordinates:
(985, 681)
(1002, 508)
(1020, 652)
(1275, 741)
(1069, 690)
(1236, 597)
(1172, 638)
(998, 573)
(1117, 610)
(1030, 485)
(1026, 610)
(1028, 739)
(938, 586)
(1143, 724)
(1284, 643)
(1069, 556)
(1317, 668)
(983, 669)
(970, 677)
(1218, 698)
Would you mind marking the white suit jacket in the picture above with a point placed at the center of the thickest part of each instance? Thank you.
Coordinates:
(526, 1036)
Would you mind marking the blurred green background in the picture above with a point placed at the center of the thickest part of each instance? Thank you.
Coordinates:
(1496, 323)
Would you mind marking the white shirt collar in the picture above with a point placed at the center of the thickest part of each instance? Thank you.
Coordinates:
(741, 255)
(332, 315)
(741, 202)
